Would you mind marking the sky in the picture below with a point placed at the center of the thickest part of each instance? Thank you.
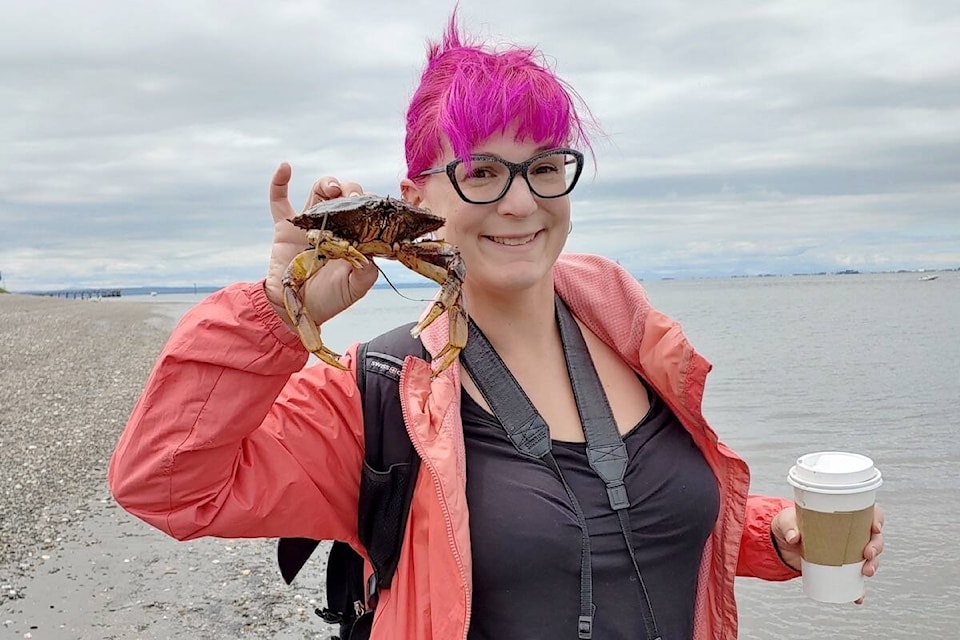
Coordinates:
(138, 138)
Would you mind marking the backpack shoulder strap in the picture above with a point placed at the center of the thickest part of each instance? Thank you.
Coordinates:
(391, 464)
(386, 446)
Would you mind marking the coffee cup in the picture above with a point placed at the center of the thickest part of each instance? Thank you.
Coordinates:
(834, 493)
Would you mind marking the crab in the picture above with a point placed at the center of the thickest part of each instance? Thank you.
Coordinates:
(360, 227)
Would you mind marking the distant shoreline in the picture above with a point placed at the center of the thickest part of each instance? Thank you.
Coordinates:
(207, 289)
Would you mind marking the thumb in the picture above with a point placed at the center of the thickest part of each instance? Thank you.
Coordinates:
(280, 206)
(361, 280)
(784, 526)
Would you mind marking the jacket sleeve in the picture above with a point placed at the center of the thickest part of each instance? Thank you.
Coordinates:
(231, 437)
(758, 557)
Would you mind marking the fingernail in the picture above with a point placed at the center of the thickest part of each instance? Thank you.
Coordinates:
(354, 194)
(792, 536)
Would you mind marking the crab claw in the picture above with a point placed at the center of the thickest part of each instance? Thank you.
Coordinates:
(449, 300)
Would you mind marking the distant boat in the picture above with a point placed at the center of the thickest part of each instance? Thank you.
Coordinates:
(932, 276)
(153, 293)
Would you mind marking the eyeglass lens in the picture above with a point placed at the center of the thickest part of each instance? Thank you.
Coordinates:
(485, 178)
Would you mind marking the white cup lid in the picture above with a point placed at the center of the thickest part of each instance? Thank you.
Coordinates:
(833, 468)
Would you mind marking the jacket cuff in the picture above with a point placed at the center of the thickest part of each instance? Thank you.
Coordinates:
(269, 316)
(759, 556)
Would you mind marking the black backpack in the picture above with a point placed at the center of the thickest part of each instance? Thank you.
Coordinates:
(390, 468)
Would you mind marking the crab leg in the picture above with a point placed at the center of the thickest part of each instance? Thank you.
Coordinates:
(448, 299)
(457, 340)
(301, 269)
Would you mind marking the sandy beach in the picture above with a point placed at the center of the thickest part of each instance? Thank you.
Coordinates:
(74, 565)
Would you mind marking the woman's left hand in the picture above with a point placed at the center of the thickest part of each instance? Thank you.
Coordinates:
(786, 533)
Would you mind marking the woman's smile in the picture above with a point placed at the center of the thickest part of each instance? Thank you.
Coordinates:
(514, 240)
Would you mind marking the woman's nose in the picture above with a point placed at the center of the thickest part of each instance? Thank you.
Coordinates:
(518, 200)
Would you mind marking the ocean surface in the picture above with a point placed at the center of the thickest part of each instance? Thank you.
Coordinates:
(867, 363)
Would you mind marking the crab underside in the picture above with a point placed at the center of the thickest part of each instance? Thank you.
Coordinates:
(358, 228)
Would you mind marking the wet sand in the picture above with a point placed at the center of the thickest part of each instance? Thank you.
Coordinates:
(73, 564)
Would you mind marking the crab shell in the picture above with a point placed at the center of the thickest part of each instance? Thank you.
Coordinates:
(369, 218)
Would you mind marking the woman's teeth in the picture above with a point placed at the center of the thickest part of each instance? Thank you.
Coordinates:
(512, 242)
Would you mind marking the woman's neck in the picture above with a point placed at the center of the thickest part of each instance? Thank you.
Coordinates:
(517, 319)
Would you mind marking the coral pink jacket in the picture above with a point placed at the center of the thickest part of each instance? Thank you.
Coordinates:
(233, 438)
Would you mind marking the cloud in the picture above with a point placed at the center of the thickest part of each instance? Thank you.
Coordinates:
(137, 139)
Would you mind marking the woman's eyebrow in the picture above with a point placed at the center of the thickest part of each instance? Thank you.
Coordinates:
(488, 154)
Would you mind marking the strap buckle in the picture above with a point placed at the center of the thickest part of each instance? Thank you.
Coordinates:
(372, 586)
(585, 627)
(617, 493)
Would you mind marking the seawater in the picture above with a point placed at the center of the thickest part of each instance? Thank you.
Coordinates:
(863, 362)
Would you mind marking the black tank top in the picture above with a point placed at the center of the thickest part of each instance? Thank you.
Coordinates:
(526, 540)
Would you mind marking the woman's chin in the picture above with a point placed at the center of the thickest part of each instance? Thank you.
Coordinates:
(514, 277)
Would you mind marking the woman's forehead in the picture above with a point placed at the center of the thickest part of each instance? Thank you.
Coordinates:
(504, 144)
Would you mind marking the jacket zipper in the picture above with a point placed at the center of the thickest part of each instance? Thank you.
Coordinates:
(447, 520)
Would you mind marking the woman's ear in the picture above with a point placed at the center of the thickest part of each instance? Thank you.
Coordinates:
(411, 192)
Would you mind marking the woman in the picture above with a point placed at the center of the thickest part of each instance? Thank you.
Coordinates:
(230, 438)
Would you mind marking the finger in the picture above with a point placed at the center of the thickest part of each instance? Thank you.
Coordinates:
(326, 188)
(878, 519)
(279, 186)
(792, 536)
(351, 189)
(875, 544)
(362, 279)
(871, 555)
(785, 526)
(874, 548)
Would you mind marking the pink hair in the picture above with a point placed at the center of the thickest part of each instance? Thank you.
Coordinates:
(469, 92)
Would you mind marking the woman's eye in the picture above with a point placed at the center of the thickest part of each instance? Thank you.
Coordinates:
(481, 172)
(546, 167)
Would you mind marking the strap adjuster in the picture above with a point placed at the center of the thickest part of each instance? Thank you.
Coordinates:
(372, 585)
(617, 494)
(585, 627)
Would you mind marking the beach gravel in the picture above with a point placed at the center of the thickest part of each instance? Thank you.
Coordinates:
(74, 565)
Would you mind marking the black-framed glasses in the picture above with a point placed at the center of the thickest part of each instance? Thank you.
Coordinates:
(483, 179)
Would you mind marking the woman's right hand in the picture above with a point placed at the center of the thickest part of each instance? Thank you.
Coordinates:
(337, 285)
